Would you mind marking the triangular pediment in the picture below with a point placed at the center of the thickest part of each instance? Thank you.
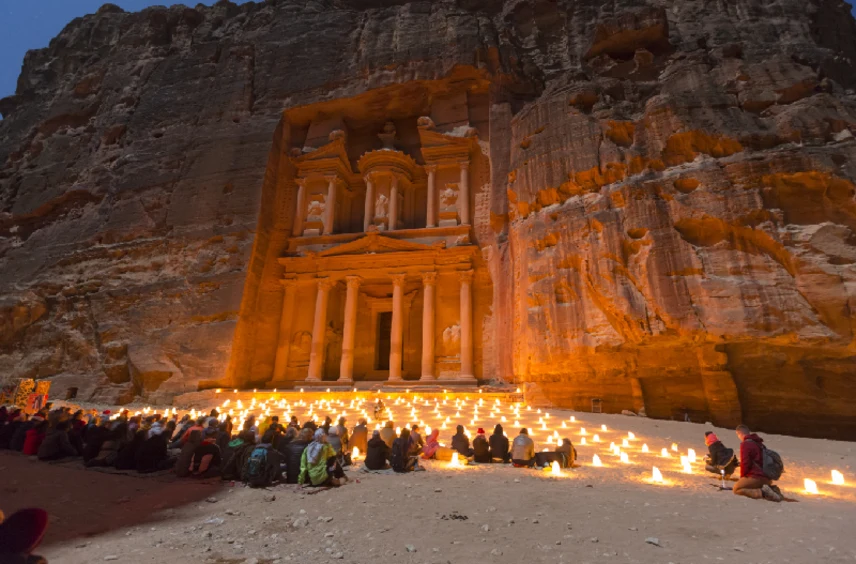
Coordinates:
(375, 243)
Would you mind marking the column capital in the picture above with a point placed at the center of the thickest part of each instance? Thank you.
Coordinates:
(398, 279)
(288, 283)
(429, 278)
(332, 178)
(431, 167)
(465, 276)
(353, 281)
(370, 177)
(325, 283)
(301, 182)
(464, 165)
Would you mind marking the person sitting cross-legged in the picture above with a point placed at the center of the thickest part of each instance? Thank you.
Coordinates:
(523, 450)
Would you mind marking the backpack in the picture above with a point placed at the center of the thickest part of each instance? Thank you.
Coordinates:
(771, 463)
(257, 471)
(773, 466)
(397, 459)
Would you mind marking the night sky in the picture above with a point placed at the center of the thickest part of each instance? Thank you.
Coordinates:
(31, 24)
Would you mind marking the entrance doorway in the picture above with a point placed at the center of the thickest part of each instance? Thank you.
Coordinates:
(384, 334)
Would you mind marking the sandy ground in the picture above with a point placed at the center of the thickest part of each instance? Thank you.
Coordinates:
(485, 513)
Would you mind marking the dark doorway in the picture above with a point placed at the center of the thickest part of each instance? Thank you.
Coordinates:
(384, 331)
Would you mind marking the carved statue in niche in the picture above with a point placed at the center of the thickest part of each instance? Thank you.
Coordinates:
(425, 122)
(452, 336)
(381, 206)
(388, 136)
(301, 344)
(315, 209)
(449, 196)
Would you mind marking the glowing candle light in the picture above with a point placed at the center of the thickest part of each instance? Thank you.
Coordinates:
(595, 461)
(665, 453)
(573, 419)
(583, 441)
(516, 423)
(624, 458)
(554, 469)
(691, 455)
(810, 486)
(355, 453)
(596, 438)
(625, 443)
(564, 426)
(656, 475)
(454, 462)
(550, 440)
(631, 436)
(582, 431)
(837, 478)
(603, 427)
(686, 465)
(645, 448)
(675, 447)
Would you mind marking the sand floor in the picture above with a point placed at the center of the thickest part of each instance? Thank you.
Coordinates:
(484, 513)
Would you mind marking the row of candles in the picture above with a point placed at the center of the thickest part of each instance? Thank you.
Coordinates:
(398, 409)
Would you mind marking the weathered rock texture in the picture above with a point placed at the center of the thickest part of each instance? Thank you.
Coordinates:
(669, 219)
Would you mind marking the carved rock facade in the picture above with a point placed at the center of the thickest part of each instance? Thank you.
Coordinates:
(660, 195)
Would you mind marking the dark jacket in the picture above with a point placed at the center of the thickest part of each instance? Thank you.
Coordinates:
(17, 442)
(293, 453)
(360, 438)
(8, 431)
(752, 457)
(94, 439)
(377, 454)
(127, 458)
(235, 458)
(461, 443)
(56, 445)
(481, 449)
(498, 445)
(151, 453)
(719, 454)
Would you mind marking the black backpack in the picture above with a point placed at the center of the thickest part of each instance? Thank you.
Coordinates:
(397, 459)
(260, 470)
(772, 465)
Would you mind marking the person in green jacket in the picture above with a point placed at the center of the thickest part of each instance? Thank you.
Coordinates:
(318, 466)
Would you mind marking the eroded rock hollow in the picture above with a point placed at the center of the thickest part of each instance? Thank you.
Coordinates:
(648, 203)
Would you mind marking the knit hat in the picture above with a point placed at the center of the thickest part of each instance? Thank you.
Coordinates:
(481, 431)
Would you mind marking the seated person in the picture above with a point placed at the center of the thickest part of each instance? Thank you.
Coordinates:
(499, 445)
(109, 452)
(402, 457)
(568, 452)
(523, 450)
(432, 445)
(34, 438)
(57, 444)
(388, 433)
(377, 453)
(481, 448)
(206, 459)
(461, 443)
(152, 455)
(294, 453)
(318, 465)
(719, 457)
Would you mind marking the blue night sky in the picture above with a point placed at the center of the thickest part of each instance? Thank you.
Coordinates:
(31, 24)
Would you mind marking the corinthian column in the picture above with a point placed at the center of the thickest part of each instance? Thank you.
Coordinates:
(431, 215)
(429, 279)
(301, 207)
(464, 197)
(330, 210)
(393, 204)
(283, 345)
(395, 339)
(319, 330)
(346, 367)
(466, 279)
(367, 218)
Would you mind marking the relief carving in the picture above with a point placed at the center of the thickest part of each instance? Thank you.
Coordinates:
(449, 196)
(315, 209)
(452, 336)
(301, 344)
(381, 207)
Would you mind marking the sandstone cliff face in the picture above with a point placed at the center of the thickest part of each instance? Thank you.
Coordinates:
(669, 219)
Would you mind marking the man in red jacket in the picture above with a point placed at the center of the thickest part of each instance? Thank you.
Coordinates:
(753, 482)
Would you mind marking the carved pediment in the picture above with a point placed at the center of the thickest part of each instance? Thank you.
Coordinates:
(375, 243)
(437, 147)
(332, 158)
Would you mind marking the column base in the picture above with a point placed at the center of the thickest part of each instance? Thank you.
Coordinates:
(343, 380)
(466, 378)
(427, 378)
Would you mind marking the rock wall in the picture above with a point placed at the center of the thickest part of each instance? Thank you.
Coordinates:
(669, 221)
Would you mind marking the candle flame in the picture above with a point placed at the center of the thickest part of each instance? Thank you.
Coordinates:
(837, 478)
(810, 486)
(691, 455)
(656, 475)
(355, 453)
(665, 453)
(645, 448)
(554, 469)
(603, 427)
(454, 462)
(583, 441)
(595, 461)
(675, 447)
(624, 458)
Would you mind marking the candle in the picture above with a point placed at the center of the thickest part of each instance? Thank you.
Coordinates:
(603, 427)
(664, 453)
(624, 458)
(837, 478)
(810, 486)
(656, 475)
(595, 461)
(691, 455)
(645, 448)
(554, 469)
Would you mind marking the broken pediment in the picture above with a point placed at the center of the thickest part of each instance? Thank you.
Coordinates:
(374, 242)
(332, 158)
